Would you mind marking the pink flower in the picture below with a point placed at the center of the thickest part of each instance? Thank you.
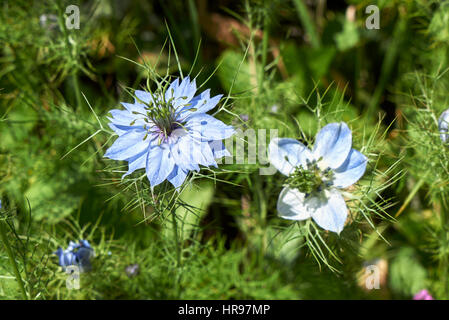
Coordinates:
(423, 295)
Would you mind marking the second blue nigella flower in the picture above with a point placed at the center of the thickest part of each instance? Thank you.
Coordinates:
(76, 254)
(315, 176)
(168, 133)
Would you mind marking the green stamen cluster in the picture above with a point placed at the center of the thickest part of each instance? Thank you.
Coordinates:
(161, 113)
(311, 179)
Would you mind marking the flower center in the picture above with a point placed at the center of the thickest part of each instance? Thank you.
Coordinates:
(164, 118)
(160, 117)
(310, 179)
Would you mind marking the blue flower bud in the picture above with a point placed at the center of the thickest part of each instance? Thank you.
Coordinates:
(132, 270)
(443, 126)
(76, 254)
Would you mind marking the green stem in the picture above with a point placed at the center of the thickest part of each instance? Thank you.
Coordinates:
(410, 196)
(77, 89)
(73, 57)
(262, 216)
(12, 260)
(195, 22)
(387, 65)
(307, 23)
(265, 38)
(180, 40)
(444, 269)
(175, 231)
(357, 69)
(178, 251)
(444, 262)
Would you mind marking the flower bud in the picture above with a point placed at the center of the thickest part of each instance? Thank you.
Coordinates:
(443, 126)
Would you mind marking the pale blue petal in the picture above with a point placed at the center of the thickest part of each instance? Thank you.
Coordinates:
(208, 128)
(121, 129)
(183, 93)
(137, 162)
(285, 154)
(182, 154)
(60, 254)
(218, 149)
(209, 105)
(69, 259)
(170, 93)
(177, 177)
(292, 205)
(331, 214)
(200, 104)
(134, 107)
(351, 170)
(201, 153)
(189, 90)
(333, 144)
(189, 152)
(117, 129)
(72, 246)
(179, 142)
(176, 89)
(66, 258)
(128, 145)
(125, 118)
(186, 89)
(193, 105)
(200, 99)
(160, 164)
(122, 116)
(143, 96)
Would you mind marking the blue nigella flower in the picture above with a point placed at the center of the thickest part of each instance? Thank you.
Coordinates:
(315, 176)
(169, 133)
(76, 254)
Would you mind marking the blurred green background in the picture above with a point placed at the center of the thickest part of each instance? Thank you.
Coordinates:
(277, 59)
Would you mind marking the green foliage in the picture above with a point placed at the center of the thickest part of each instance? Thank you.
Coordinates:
(407, 275)
(290, 65)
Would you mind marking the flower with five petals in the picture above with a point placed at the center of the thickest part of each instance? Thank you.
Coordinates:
(315, 176)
